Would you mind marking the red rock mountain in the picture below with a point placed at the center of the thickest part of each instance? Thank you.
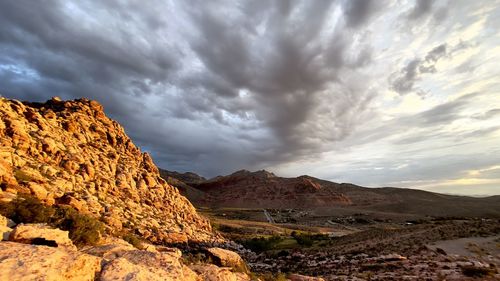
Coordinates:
(265, 190)
(69, 152)
(262, 189)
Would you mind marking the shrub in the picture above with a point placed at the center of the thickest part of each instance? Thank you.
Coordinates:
(133, 240)
(82, 229)
(473, 271)
(262, 244)
(22, 176)
(307, 240)
(304, 240)
(27, 209)
(195, 258)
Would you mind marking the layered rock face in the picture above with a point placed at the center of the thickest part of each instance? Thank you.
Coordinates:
(69, 152)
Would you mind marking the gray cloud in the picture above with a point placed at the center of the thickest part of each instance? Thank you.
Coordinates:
(421, 8)
(216, 86)
(487, 115)
(259, 77)
(404, 81)
(358, 12)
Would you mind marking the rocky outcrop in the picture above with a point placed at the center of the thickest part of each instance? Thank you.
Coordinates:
(113, 259)
(5, 229)
(24, 262)
(213, 273)
(40, 234)
(144, 265)
(227, 258)
(69, 152)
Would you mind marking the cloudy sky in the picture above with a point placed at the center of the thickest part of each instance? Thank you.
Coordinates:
(378, 93)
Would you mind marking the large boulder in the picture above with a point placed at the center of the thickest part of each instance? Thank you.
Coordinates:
(41, 234)
(5, 229)
(6, 222)
(138, 265)
(226, 258)
(110, 248)
(23, 262)
(5, 232)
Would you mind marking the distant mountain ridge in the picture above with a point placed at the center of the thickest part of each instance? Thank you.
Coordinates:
(263, 189)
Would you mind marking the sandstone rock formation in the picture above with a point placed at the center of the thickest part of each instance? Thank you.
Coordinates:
(5, 229)
(214, 273)
(114, 259)
(145, 265)
(24, 262)
(42, 235)
(228, 258)
(69, 152)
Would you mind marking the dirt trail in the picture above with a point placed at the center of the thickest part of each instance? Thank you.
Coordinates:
(471, 247)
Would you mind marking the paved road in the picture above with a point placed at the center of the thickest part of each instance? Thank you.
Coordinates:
(268, 216)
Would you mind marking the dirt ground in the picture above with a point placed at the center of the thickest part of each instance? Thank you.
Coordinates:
(471, 247)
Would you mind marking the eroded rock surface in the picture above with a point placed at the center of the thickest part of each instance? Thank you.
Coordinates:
(210, 272)
(144, 265)
(69, 152)
(113, 260)
(32, 262)
(228, 258)
(41, 234)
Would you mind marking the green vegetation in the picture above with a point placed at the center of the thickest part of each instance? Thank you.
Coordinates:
(27, 209)
(134, 240)
(83, 229)
(22, 176)
(308, 239)
(303, 239)
(261, 244)
(474, 271)
(226, 228)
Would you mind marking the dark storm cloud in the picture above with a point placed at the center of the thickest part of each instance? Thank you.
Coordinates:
(286, 76)
(421, 8)
(267, 82)
(404, 81)
(358, 12)
(70, 60)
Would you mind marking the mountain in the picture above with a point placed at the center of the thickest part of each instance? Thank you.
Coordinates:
(188, 177)
(262, 189)
(70, 152)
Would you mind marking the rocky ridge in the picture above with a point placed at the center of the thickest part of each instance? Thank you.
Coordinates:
(70, 152)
